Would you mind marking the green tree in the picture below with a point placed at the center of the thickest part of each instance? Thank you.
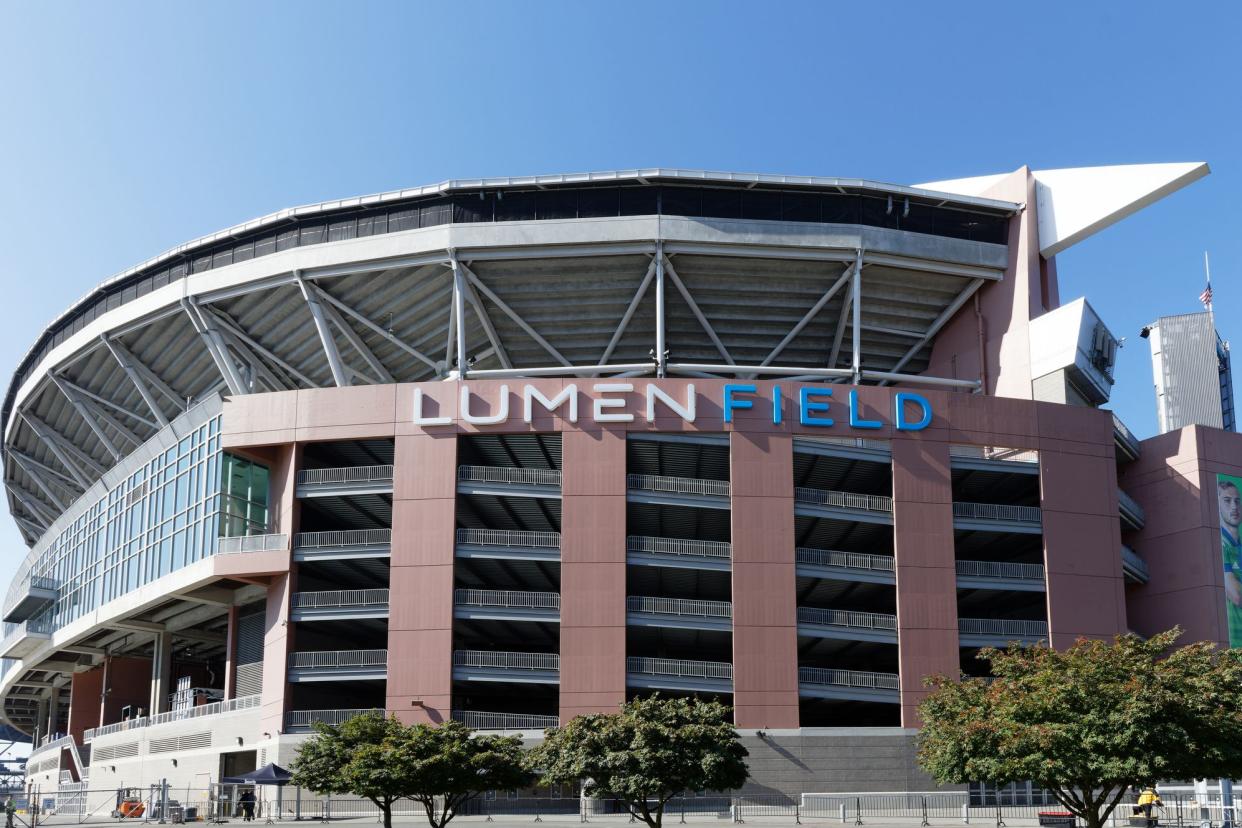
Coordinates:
(361, 756)
(451, 764)
(649, 752)
(1090, 721)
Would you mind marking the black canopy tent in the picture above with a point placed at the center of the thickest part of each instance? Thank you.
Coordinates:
(269, 774)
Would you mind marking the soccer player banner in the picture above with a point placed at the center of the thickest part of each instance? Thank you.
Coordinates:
(1229, 502)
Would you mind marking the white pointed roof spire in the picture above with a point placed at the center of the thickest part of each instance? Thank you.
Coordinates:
(1079, 202)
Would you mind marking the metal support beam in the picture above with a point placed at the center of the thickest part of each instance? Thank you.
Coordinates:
(938, 323)
(95, 398)
(239, 334)
(806, 319)
(34, 529)
(459, 315)
(216, 347)
(511, 313)
(488, 328)
(91, 422)
(856, 363)
(698, 314)
(139, 376)
(75, 461)
(661, 346)
(37, 510)
(633, 306)
(365, 322)
(839, 335)
(339, 375)
(355, 341)
(34, 474)
(63, 479)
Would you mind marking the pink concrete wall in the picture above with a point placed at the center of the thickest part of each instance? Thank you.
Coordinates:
(593, 580)
(420, 617)
(1006, 307)
(765, 623)
(1174, 480)
(1078, 495)
(926, 567)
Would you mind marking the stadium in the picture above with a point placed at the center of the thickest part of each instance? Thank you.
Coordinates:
(512, 450)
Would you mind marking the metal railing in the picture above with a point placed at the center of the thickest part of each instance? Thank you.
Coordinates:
(849, 442)
(1016, 627)
(1130, 508)
(1130, 560)
(679, 606)
(848, 678)
(679, 667)
(1125, 436)
(345, 475)
(252, 543)
(306, 718)
(508, 474)
(494, 659)
(509, 537)
(44, 582)
(341, 598)
(678, 546)
(342, 537)
(847, 618)
(1006, 455)
(844, 500)
(997, 511)
(1001, 569)
(677, 485)
(198, 711)
(480, 720)
(328, 659)
(849, 560)
(20, 630)
(511, 598)
(48, 747)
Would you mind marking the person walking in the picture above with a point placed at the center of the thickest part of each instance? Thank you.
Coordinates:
(10, 808)
(247, 803)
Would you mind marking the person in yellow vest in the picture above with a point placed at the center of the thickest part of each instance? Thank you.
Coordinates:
(1148, 801)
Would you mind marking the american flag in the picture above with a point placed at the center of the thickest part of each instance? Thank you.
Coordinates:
(1206, 296)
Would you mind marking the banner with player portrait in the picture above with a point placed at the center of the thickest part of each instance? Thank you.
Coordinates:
(1229, 507)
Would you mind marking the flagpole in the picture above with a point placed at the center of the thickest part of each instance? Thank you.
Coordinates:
(1207, 270)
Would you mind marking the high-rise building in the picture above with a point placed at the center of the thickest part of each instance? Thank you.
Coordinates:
(1190, 365)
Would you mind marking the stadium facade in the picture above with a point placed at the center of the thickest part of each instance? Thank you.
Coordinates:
(514, 450)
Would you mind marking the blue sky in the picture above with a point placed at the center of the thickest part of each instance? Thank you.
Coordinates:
(131, 127)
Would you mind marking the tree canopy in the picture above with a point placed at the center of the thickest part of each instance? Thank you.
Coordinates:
(1088, 722)
(650, 751)
(439, 766)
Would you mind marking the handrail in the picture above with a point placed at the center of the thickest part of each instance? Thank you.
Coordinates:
(678, 546)
(997, 511)
(1127, 504)
(56, 744)
(345, 474)
(338, 658)
(679, 606)
(252, 543)
(1130, 559)
(43, 582)
(1017, 627)
(480, 720)
(508, 474)
(506, 660)
(848, 442)
(342, 537)
(849, 678)
(1001, 569)
(849, 560)
(677, 485)
(845, 500)
(506, 598)
(509, 537)
(683, 668)
(306, 718)
(847, 618)
(341, 598)
(215, 708)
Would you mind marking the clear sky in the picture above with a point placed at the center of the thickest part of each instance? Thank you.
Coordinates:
(128, 128)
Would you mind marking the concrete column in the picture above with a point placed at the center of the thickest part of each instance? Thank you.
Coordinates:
(765, 623)
(53, 710)
(41, 720)
(420, 620)
(592, 572)
(1082, 546)
(278, 632)
(926, 566)
(230, 656)
(161, 673)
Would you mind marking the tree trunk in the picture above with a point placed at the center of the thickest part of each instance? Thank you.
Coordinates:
(386, 810)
